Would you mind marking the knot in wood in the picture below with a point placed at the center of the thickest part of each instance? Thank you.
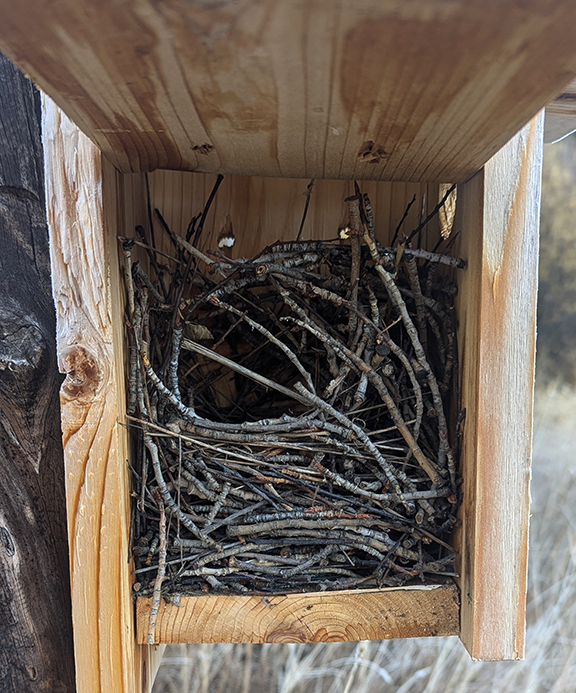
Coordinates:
(203, 149)
(83, 374)
(372, 153)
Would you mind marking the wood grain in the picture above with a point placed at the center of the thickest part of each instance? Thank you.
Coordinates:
(313, 617)
(265, 210)
(81, 214)
(498, 213)
(425, 90)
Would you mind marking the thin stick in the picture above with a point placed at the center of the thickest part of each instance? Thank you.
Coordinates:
(151, 638)
(432, 214)
(412, 271)
(419, 253)
(149, 206)
(257, 326)
(262, 380)
(355, 233)
(206, 209)
(395, 237)
(308, 194)
(194, 251)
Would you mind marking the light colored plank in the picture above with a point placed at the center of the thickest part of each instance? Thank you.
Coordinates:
(498, 213)
(314, 617)
(296, 89)
(80, 194)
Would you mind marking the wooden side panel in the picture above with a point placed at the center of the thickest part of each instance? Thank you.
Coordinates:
(499, 218)
(80, 186)
(315, 617)
(425, 90)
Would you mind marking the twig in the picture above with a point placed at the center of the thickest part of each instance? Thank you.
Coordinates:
(151, 638)
(397, 231)
(308, 194)
(209, 201)
(262, 380)
(432, 214)
(355, 233)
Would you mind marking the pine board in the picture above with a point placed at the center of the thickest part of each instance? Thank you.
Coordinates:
(499, 219)
(426, 90)
(86, 287)
(311, 617)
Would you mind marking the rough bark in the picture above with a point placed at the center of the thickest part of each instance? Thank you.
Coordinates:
(36, 651)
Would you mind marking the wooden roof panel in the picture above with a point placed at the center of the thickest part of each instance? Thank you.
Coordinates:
(368, 89)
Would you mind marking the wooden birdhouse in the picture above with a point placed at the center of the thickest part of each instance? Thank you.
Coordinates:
(402, 97)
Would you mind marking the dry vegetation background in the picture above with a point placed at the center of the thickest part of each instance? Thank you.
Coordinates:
(441, 665)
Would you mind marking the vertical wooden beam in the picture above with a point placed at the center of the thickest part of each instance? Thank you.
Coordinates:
(499, 219)
(81, 202)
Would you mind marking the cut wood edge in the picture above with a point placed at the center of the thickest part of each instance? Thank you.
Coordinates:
(345, 615)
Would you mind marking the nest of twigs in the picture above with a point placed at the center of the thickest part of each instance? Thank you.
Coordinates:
(293, 415)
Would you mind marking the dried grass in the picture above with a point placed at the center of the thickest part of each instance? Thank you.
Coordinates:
(435, 665)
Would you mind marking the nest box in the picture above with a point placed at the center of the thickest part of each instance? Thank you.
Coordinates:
(403, 96)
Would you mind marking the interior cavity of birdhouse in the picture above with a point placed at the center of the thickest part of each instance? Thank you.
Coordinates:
(246, 216)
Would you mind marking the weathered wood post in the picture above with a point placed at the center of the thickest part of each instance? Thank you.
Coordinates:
(36, 651)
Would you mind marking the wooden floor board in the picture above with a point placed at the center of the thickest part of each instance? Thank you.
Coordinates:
(311, 617)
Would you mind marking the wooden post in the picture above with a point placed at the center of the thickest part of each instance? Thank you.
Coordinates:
(499, 218)
(81, 201)
(35, 625)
